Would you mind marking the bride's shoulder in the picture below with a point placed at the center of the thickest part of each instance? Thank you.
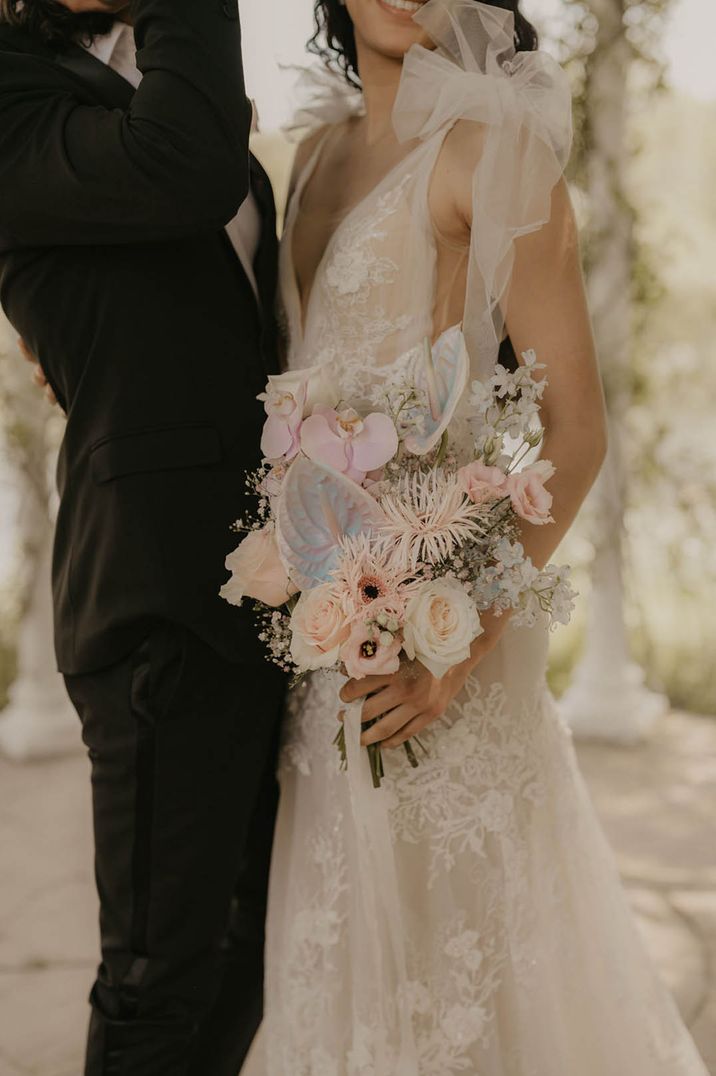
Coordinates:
(451, 187)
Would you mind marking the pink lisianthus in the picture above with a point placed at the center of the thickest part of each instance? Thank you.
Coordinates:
(348, 443)
(257, 571)
(368, 651)
(482, 483)
(530, 500)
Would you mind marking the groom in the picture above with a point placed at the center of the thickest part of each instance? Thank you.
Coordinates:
(138, 262)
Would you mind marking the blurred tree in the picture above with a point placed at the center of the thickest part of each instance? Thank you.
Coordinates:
(37, 720)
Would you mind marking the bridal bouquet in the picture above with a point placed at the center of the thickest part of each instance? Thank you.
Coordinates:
(378, 537)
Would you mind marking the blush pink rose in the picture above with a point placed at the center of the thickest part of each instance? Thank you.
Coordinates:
(319, 628)
(370, 652)
(257, 571)
(482, 483)
(348, 443)
(530, 500)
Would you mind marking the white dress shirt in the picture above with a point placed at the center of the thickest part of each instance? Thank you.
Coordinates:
(117, 50)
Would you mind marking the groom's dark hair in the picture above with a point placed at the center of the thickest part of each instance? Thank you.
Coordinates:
(334, 40)
(53, 23)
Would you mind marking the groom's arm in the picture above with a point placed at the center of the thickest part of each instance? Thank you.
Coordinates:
(174, 163)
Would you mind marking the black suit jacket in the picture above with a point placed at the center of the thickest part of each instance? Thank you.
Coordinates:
(116, 270)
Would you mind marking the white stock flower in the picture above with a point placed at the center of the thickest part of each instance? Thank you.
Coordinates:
(441, 622)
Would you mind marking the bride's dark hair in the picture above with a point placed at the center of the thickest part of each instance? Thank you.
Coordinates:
(334, 40)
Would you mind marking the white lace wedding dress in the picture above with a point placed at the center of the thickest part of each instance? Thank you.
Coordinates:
(509, 949)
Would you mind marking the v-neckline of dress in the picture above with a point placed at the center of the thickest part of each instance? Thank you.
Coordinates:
(299, 317)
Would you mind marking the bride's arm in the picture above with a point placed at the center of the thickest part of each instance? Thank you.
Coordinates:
(547, 311)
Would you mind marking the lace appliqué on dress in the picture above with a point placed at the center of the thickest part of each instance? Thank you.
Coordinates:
(352, 321)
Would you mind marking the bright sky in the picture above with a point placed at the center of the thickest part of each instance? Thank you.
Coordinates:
(275, 33)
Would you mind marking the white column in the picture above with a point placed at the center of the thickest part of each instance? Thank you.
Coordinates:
(38, 721)
(607, 698)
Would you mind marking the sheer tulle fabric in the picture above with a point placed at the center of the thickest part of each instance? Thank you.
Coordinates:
(523, 101)
(468, 919)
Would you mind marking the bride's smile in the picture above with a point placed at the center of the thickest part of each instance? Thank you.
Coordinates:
(387, 26)
(403, 9)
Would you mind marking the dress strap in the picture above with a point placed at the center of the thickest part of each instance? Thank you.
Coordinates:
(287, 267)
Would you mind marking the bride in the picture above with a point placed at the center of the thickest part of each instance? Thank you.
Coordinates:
(467, 918)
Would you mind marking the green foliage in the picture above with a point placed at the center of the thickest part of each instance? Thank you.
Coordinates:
(8, 663)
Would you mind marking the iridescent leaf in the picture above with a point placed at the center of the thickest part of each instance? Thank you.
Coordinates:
(443, 377)
(317, 509)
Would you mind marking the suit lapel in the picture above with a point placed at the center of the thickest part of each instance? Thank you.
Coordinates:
(266, 255)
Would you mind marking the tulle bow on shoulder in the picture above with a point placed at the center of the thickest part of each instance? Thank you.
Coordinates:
(325, 99)
(523, 101)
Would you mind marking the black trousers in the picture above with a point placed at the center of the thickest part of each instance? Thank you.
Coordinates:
(183, 752)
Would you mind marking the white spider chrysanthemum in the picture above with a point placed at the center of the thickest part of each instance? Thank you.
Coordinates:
(428, 517)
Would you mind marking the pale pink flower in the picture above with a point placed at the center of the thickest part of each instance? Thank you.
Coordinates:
(370, 652)
(441, 623)
(482, 483)
(257, 571)
(348, 443)
(428, 517)
(530, 500)
(371, 578)
(288, 399)
(319, 628)
(272, 482)
(281, 433)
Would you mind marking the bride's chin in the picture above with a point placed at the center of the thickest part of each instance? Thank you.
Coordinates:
(388, 25)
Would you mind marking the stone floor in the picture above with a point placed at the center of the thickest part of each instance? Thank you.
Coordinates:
(658, 804)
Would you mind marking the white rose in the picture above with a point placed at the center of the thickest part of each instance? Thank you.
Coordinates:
(441, 622)
(320, 388)
(318, 628)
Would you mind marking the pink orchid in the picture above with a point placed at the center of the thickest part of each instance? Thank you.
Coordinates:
(282, 429)
(289, 398)
(352, 445)
(370, 652)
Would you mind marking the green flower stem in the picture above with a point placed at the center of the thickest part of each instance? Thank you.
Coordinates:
(412, 757)
(375, 753)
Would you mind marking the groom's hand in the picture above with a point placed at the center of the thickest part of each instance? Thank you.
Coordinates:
(81, 7)
(38, 375)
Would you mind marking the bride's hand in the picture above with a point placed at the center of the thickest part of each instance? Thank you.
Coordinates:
(412, 698)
